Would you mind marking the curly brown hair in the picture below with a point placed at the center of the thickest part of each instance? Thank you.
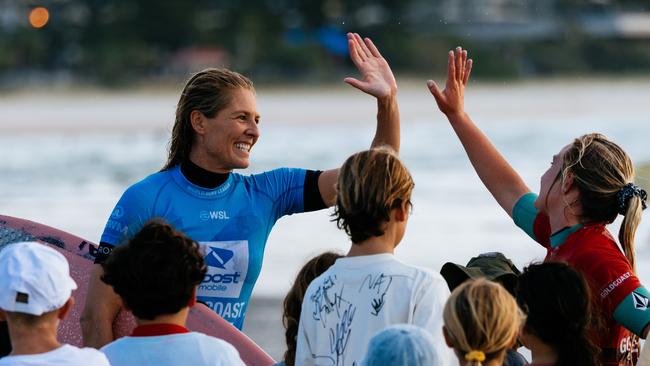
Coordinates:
(371, 183)
(293, 301)
(156, 272)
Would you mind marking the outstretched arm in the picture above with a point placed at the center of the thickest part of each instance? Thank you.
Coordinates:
(377, 80)
(499, 177)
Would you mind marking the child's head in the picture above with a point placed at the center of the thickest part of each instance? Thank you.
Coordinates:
(156, 272)
(481, 320)
(293, 301)
(556, 301)
(400, 345)
(371, 185)
(36, 286)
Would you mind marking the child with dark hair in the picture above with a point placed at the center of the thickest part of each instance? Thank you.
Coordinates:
(559, 312)
(369, 289)
(156, 275)
(293, 301)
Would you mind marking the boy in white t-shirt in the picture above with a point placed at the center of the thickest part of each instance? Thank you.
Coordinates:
(156, 275)
(369, 289)
(35, 295)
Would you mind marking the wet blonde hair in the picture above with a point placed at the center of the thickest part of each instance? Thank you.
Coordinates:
(482, 319)
(600, 169)
(371, 183)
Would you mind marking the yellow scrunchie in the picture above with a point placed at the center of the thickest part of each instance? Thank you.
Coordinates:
(475, 356)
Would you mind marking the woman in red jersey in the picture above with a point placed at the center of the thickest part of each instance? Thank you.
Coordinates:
(589, 183)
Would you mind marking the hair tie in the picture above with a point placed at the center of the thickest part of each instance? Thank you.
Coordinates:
(475, 356)
(628, 191)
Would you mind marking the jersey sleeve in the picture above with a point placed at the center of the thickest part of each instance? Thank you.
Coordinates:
(129, 215)
(312, 197)
(285, 187)
(632, 312)
(530, 220)
(617, 287)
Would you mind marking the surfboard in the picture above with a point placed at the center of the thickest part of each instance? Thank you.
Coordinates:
(80, 253)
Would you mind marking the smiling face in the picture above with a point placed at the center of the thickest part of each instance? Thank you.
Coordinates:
(550, 192)
(224, 142)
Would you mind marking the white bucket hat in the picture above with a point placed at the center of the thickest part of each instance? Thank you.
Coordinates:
(34, 279)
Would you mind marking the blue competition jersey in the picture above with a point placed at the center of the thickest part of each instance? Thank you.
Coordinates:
(231, 223)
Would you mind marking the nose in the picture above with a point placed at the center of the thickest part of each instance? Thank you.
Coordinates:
(253, 130)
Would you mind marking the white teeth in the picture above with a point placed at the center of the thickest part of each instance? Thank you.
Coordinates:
(242, 146)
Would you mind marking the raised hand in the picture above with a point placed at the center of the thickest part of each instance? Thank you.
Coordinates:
(451, 100)
(377, 77)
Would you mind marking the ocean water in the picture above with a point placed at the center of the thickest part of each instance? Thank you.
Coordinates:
(66, 159)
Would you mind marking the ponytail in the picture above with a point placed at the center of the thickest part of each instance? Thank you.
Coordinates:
(632, 201)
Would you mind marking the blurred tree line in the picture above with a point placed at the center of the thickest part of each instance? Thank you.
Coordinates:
(118, 42)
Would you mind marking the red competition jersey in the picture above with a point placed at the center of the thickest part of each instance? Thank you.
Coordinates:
(592, 251)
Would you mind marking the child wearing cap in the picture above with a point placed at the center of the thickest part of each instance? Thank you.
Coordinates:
(369, 289)
(156, 275)
(35, 295)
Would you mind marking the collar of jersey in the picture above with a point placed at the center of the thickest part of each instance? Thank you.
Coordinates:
(363, 260)
(151, 330)
(198, 191)
(561, 236)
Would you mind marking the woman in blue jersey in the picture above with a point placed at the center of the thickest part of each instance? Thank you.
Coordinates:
(589, 183)
(229, 214)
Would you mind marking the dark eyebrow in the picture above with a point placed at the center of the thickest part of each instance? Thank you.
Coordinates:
(246, 113)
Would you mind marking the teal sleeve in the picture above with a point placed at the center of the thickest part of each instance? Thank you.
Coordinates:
(524, 213)
(633, 312)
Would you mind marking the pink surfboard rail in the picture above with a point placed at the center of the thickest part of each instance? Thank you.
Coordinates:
(80, 254)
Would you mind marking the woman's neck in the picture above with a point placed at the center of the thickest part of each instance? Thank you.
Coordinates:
(202, 177)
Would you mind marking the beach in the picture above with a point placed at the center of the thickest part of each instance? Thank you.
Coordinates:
(67, 156)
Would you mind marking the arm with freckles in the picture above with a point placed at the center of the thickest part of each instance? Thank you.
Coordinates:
(378, 81)
(495, 172)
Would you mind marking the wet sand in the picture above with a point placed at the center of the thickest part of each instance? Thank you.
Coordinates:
(264, 325)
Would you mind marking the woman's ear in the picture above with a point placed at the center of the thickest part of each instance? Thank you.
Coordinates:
(567, 182)
(197, 119)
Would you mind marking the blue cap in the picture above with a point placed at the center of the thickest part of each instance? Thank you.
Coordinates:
(403, 345)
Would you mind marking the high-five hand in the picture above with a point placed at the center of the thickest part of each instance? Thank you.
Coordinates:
(451, 100)
(376, 76)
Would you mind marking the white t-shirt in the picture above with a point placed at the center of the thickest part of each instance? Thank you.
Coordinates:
(65, 355)
(358, 297)
(173, 349)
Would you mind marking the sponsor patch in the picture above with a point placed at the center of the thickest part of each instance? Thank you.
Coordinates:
(614, 284)
(640, 301)
(227, 263)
